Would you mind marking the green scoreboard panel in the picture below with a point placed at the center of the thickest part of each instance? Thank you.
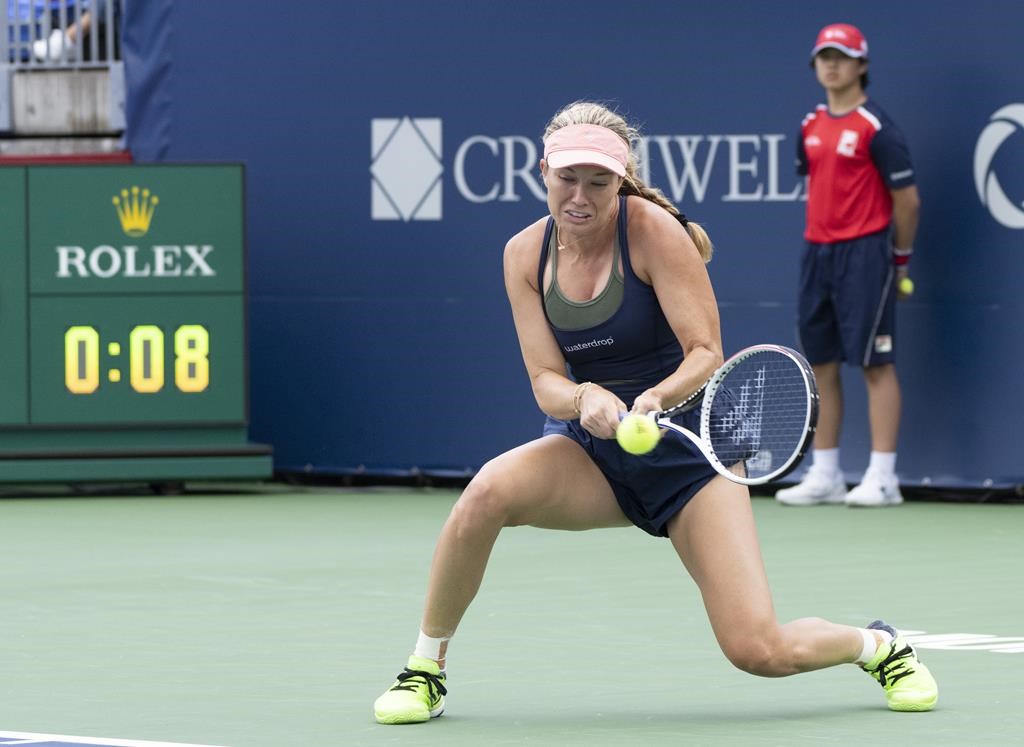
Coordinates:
(122, 325)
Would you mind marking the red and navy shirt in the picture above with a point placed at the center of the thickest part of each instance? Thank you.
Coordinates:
(852, 162)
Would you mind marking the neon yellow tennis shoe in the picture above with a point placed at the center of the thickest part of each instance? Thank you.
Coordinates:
(908, 684)
(417, 695)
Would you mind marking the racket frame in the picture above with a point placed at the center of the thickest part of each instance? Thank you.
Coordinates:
(705, 396)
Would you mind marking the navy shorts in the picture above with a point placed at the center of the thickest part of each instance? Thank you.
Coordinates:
(847, 306)
(650, 488)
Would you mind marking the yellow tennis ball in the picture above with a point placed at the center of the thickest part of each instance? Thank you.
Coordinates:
(637, 434)
(907, 286)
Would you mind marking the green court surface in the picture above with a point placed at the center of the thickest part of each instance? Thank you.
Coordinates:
(276, 616)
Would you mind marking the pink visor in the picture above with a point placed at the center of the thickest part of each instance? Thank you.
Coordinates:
(578, 144)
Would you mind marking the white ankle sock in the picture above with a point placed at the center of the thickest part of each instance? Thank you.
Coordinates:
(429, 648)
(871, 644)
(883, 463)
(826, 461)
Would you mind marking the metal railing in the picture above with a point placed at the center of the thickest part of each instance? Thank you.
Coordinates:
(60, 34)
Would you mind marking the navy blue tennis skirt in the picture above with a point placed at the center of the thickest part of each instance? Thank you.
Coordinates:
(650, 488)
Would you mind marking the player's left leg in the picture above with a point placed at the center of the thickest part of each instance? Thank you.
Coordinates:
(884, 403)
(716, 538)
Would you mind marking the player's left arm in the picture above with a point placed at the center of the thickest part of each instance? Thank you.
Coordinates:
(906, 210)
(891, 156)
(664, 256)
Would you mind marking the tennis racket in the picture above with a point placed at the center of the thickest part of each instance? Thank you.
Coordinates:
(758, 413)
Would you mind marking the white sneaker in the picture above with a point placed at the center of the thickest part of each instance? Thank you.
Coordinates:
(816, 487)
(876, 490)
(50, 49)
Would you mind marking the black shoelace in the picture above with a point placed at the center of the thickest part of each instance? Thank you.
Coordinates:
(893, 667)
(408, 679)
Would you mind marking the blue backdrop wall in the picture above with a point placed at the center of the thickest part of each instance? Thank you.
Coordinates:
(392, 147)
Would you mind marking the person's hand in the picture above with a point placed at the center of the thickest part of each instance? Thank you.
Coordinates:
(599, 412)
(647, 403)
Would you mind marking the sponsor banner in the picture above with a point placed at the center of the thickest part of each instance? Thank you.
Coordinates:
(132, 229)
(391, 170)
(1005, 130)
(408, 159)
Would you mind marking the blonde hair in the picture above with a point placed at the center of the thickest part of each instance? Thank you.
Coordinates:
(590, 112)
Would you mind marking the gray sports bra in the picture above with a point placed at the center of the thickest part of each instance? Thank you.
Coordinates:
(566, 314)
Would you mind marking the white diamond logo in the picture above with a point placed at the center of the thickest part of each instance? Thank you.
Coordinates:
(405, 169)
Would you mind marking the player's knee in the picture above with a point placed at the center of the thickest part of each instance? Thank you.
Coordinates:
(750, 657)
(880, 375)
(756, 655)
(482, 504)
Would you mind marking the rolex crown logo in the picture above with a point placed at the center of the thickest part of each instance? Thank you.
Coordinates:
(135, 209)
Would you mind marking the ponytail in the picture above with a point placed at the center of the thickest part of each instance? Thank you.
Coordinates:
(632, 185)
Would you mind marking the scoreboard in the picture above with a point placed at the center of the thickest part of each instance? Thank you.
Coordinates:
(123, 324)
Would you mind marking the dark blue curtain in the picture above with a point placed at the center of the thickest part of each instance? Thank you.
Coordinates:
(148, 63)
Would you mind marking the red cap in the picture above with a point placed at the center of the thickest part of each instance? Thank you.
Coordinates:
(844, 37)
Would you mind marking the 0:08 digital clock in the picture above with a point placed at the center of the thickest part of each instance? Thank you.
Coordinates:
(146, 358)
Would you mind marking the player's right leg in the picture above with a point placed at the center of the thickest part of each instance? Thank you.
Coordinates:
(550, 483)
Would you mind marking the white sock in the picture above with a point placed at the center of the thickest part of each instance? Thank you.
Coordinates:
(429, 648)
(883, 463)
(871, 644)
(826, 461)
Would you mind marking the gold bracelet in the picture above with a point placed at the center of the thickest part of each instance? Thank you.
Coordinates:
(577, 395)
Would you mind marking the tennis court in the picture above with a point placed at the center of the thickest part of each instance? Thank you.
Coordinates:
(276, 615)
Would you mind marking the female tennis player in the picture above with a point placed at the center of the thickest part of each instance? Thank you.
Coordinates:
(613, 284)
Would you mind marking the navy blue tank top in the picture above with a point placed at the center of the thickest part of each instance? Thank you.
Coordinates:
(632, 350)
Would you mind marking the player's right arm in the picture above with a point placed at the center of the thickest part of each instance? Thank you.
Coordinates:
(545, 364)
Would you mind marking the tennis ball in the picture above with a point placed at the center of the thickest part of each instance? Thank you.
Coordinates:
(637, 434)
(907, 286)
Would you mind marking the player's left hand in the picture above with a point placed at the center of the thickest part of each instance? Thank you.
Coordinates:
(647, 403)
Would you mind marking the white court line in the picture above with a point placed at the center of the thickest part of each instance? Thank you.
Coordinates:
(31, 738)
(965, 642)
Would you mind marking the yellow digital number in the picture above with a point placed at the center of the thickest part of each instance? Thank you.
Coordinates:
(146, 350)
(82, 360)
(192, 358)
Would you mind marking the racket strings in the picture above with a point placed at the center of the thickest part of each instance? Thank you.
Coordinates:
(760, 413)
